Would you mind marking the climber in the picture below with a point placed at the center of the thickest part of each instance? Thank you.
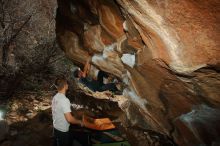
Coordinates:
(61, 114)
(94, 84)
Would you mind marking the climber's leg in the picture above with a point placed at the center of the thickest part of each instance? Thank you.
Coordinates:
(111, 87)
(100, 77)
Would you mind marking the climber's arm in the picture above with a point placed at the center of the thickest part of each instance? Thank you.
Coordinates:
(86, 68)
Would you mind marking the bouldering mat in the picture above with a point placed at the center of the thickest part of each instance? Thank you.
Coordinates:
(98, 124)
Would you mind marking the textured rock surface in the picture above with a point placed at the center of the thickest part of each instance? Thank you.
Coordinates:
(173, 86)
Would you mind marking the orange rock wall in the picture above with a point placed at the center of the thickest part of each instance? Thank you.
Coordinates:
(174, 82)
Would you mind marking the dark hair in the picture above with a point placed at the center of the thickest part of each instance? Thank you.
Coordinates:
(60, 83)
(76, 73)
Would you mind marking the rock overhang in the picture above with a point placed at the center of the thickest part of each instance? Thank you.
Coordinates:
(148, 45)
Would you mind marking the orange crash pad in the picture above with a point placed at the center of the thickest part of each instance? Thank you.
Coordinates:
(98, 124)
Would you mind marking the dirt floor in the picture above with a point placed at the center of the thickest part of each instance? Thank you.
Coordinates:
(29, 120)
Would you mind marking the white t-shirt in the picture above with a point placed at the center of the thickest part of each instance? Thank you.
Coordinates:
(60, 105)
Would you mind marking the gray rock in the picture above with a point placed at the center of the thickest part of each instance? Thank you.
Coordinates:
(4, 129)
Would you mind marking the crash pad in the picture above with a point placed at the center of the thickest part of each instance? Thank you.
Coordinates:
(98, 124)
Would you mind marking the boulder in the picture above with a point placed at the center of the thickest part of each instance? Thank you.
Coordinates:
(165, 52)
